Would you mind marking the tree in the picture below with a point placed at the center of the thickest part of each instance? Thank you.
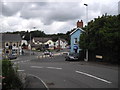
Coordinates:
(103, 37)
(11, 80)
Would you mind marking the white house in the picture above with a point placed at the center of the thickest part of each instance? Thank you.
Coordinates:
(61, 42)
(24, 42)
(50, 43)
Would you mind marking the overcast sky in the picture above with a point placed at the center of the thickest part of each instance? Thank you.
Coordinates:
(51, 16)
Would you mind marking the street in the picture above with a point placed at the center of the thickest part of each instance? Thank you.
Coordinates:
(55, 72)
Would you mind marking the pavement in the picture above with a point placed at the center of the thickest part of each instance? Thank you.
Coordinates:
(34, 82)
(55, 72)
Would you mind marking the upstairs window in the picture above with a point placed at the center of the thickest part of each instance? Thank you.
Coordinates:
(49, 42)
(75, 41)
(14, 44)
(6, 44)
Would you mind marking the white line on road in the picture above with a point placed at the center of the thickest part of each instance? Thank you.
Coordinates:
(53, 68)
(20, 70)
(36, 67)
(40, 80)
(94, 77)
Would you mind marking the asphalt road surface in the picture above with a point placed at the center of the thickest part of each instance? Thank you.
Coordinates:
(55, 72)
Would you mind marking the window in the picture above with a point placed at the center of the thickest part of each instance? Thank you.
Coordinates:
(49, 42)
(6, 44)
(7, 52)
(75, 41)
(14, 45)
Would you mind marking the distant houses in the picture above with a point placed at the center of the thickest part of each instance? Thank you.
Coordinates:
(11, 44)
(43, 43)
(15, 45)
(75, 37)
(40, 43)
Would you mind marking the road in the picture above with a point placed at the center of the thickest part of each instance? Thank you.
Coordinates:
(55, 72)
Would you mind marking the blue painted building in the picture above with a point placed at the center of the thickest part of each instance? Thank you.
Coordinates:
(75, 38)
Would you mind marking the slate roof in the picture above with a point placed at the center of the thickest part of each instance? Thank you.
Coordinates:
(42, 39)
(11, 38)
(75, 29)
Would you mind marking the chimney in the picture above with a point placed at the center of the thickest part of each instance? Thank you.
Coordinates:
(80, 24)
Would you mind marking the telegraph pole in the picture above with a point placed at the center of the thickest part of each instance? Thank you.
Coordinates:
(30, 45)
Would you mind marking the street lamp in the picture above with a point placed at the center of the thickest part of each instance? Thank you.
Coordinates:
(87, 29)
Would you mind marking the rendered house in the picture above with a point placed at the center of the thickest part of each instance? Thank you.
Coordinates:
(62, 43)
(11, 44)
(24, 44)
(75, 38)
(41, 43)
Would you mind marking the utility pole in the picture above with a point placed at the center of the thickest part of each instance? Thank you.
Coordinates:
(30, 45)
(87, 29)
(59, 43)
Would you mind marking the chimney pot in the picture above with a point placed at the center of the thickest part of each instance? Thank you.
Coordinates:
(80, 24)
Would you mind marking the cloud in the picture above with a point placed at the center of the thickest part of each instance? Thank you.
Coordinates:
(52, 12)
(52, 17)
(11, 8)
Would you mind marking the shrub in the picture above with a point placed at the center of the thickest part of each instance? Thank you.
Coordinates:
(11, 80)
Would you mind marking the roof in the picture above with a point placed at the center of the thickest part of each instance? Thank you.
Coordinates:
(76, 29)
(42, 39)
(11, 37)
(63, 40)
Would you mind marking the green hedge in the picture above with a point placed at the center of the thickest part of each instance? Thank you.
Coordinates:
(11, 80)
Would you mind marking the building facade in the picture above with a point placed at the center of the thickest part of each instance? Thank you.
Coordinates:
(61, 43)
(75, 38)
(11, 44)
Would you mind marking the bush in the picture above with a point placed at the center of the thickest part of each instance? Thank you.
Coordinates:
(11, 80)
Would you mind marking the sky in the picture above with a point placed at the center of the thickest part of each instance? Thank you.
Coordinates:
(51, 16)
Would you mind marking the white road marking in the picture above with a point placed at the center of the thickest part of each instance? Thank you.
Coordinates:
(36, 67)
(20, 70)
(94, 77)
(0, 83)
(54, 68)
(40, 80)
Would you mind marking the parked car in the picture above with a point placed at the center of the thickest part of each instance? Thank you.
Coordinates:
(12, 57)
(72, 56)
(9, 57)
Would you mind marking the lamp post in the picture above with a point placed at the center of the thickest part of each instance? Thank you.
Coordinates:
(87, 29)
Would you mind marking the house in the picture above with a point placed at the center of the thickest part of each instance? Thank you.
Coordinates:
(75, 37)
(41, 43)
(61, 43)
(11, 44)
(24, 44)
